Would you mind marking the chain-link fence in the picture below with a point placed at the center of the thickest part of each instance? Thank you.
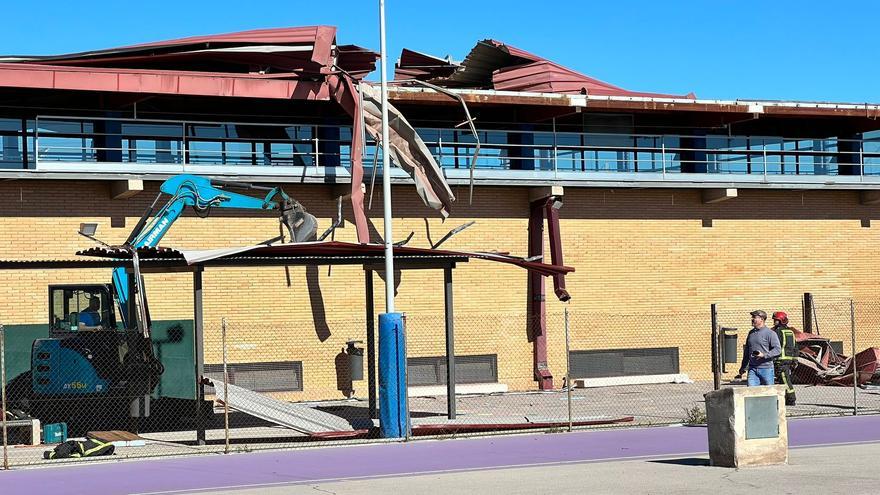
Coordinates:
(827, 337)
(285, 384)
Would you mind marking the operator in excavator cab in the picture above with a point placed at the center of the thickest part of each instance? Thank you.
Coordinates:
(90, 318)
(786, 361)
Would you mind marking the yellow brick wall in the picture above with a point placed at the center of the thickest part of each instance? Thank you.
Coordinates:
(647, 270)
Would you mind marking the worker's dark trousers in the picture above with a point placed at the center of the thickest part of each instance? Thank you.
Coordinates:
(783, 376)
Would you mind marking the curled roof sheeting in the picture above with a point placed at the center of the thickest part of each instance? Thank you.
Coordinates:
(417, 65)
(300, 50)
(332, 249)
(493, 64)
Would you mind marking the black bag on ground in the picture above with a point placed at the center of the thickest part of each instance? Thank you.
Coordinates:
(77, 448)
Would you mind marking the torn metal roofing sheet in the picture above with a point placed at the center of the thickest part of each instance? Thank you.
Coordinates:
(493, 64)
(545, 76)
(298, 417)
(417, 65)
(268, 63)
(331, 250)
(276, 50)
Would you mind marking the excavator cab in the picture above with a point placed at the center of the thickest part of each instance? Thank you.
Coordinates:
(89, 305)
(87, 354)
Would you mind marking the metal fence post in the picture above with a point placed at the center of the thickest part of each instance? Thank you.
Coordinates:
(852, 321)
(568, 383)
(3, 392)
(716, 374)
(225, 388)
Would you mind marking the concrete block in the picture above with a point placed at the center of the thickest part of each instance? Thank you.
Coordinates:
(538, 193)
(615, 381)
(746, 428)
(23, 431)
(344, 190)
(718, 195)
(122, 189)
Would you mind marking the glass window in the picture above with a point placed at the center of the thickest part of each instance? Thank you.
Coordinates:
(74, 308)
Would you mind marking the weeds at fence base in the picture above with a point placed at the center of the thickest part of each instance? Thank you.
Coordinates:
(694, 416)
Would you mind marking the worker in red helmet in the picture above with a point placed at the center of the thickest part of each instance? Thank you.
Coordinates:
(786, 361)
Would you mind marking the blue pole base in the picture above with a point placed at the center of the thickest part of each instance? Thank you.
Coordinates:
(393, 406)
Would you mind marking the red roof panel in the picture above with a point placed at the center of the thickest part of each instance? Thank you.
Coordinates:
(549, 77)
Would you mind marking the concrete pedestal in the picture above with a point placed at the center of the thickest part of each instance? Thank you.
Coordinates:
(747, 426)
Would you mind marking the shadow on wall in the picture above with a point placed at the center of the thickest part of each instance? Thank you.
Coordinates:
(316, 299)
(343, 374)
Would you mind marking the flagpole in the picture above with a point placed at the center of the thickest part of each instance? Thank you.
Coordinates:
(386, 168)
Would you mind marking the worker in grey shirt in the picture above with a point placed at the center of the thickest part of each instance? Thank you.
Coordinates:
(762, 345)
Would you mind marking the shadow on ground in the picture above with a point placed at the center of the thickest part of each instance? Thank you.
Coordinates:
(684, 461)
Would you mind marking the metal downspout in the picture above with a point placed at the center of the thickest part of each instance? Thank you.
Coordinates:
(537, 319)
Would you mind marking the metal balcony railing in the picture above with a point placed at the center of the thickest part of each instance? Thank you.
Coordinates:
(49, 140)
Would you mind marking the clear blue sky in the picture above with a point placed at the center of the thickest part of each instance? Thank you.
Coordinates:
(807, 50)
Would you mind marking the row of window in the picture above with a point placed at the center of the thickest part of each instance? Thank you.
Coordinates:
(287, 376)
(228, 144)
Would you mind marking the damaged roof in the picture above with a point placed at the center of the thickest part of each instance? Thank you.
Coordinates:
(265, 63)
(302, 50)
(493, 64)
(323, 252)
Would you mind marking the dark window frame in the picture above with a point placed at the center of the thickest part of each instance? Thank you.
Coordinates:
(439, 365)
(241, 369)
(625, 362)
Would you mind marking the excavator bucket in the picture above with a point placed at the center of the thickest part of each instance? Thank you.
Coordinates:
(301, 225)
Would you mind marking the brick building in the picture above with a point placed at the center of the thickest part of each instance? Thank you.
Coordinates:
(670, 202)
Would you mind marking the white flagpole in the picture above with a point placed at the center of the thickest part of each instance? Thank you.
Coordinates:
(386, 168)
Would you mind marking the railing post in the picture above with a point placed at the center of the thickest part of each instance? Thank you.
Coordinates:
(439, 149)
(317, 159)
(36, 141)
(555, 152)
(663, 155)
(764, 154)
(183, 151)
(861, 160)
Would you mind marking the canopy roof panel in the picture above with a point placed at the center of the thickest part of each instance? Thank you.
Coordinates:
(342, 252)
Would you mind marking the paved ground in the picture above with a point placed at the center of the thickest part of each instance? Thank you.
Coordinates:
(561, 463)
(649, 404)
(680, 475)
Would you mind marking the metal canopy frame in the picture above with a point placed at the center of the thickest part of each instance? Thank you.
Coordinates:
(370, 264)
(449, 319)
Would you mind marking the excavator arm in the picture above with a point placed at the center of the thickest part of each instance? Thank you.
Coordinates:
(203, 194)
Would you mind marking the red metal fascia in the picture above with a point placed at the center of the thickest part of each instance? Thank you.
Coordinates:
(160, 82)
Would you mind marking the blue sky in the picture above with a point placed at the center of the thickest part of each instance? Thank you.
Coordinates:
(717, 49)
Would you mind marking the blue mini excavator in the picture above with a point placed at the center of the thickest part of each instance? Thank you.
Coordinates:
(89, 353)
